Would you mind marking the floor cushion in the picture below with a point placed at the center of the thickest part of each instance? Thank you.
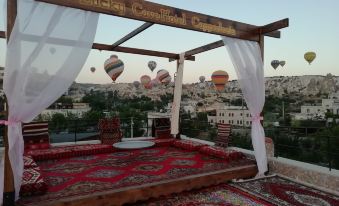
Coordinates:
(188, 145)
(221, 152)
(163, 142)
(69, 151)
(32, 182)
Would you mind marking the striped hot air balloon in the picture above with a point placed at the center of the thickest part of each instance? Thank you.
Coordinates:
(162, 76)
(166, 80)
(145, 80)
(114, 67)
(310, 56)
(219, 79)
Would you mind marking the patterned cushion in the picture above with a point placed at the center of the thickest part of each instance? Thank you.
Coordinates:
(223, 136)
(222, 152)
(69, 151)
(35, 135)
(32, 182)
(29, 162)
(163, 142)
(187, 144)
(110, 132)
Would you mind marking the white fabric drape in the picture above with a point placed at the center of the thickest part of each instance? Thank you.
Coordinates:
(248, 64)
(177, 96)
(48, 47)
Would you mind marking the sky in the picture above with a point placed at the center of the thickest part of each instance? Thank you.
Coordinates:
(313, 26)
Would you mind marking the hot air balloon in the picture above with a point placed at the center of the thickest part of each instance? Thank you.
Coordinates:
(114, 67)
(309, 56)
(282, 63)
(202, 79)
(163, 75)
(152, 65)
(166, 80)
(148, 86)
(145, 80)
(219, 78)
(136, 84)
(92, 69)
(275, 63)
(52, 50)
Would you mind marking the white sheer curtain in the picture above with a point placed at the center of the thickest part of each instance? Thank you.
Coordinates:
(248, 64)
(48, 47)
(177, 96)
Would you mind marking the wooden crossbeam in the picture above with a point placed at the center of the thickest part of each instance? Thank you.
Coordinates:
(274, 26)
(204, 48)
(132, 34)
(165, 15)
(106, 47)
(3, 34)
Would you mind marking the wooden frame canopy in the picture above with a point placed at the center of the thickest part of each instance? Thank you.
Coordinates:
(151, 13)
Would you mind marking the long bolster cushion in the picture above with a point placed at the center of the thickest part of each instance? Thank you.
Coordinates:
(69, 151)
(222, 152)
(32, 182)
(163, 142)
(188, 145)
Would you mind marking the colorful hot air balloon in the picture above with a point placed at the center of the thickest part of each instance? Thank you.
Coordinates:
(201, 79)
(148, 86)
(155, 82)
(136, 84)
(152, 65)
(114, 67)
(282, 63)
(219, 78)
(309, 56)
(275, 63)
(166, 80)
(145, 80)
(92, 69)
(163, 75)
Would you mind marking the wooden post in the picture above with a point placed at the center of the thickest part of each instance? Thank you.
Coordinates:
(9, 191)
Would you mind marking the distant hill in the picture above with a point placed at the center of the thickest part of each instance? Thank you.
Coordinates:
(307, 85)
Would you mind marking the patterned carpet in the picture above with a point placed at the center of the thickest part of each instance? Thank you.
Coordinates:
(221, 195)
(280, 191)
(85, 175)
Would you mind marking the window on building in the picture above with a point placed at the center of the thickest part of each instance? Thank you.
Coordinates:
(232, 114)
(237, 121)
(222, 114)
(247, 123)
(240, 121)
(241, 114)
(308, 110)
(223, 121)
(247, 115)
(229, 121)
(211, 120)
(318, 110)
(229, 114)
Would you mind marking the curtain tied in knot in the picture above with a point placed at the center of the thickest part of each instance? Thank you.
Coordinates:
(5, 122)
(256, 118)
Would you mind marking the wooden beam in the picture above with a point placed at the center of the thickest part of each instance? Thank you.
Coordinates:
(165, 15)
(132, 34)
(204, 48)
(139, 51)
(274, 26)
(106, 47)
(9, 190)
(2, 34)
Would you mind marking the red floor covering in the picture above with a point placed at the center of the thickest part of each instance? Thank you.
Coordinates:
(220, 195)
(281, 191)
(96, 173)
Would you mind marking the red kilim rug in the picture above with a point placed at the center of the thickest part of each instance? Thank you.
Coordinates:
(221, 195)
(85, 175)
(281, 191)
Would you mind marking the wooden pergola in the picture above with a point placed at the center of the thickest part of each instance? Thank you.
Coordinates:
(151, 13)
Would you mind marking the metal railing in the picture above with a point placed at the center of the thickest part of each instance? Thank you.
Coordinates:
(304, 144)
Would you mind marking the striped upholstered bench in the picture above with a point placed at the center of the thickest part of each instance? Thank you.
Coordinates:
(224, 135)
(35, 135)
